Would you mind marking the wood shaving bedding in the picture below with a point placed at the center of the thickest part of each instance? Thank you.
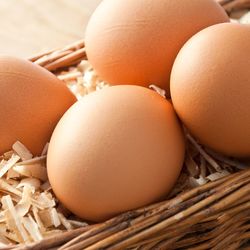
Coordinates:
(29, 210)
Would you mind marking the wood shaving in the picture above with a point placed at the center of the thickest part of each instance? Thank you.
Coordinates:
(32, 170)
(22, 151)
(45, 149)
(66, 223)
(77, 223)
(195, 182)
(28, 209)
(158, 90)
(216, 176)
(245, 19)
(32, 228)
(82, 80)
(30, 182)
(5, 166)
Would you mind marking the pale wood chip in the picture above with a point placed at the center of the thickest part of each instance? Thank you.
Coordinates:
(7, 155)
(64, 221)
(158, 90)
(69, 76)
(32, 228)
(12, 174)
(203, 167)
(24, 205)
(77, 224)
(44, 200)
(30, 182)
(216, 176)
(8, 204)
(206, 156)
(38, 219)
(32, 170)
(84, 66)
(36, 160)
(4, 186)
(9, 164)
(22, 151)
(45, 149)
(197, 182)
(45, 217)
(55, 217)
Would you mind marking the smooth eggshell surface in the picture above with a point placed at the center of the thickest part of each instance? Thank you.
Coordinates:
(115, 150)
(210, 88)
(32, 100)
(136, 42)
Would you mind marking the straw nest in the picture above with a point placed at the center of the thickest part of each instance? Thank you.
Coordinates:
(209, 207)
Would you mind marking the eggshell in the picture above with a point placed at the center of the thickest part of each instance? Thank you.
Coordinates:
(32, 100)
(136, 42)
(115, 150)
(210, 88)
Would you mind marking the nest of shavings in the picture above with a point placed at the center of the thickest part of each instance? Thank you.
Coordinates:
(29, 210)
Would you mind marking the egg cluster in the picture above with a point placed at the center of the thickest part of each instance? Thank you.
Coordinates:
(123, 147)
(136, 42)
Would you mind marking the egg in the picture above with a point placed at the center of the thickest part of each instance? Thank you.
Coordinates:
(136, 42)
(32, 100)
(210, 88)
(115, 150)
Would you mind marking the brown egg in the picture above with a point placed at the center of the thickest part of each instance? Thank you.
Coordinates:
(32, 100)
(210, 88)
(115, 150)
(136, 42)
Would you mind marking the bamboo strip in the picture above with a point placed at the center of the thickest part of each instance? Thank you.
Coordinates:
(67, 60)
(149, 221)
(51, 58)
(73, 47)
(100, 228)
(53, 241)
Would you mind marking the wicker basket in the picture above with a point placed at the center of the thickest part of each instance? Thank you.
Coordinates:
(212, 216)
